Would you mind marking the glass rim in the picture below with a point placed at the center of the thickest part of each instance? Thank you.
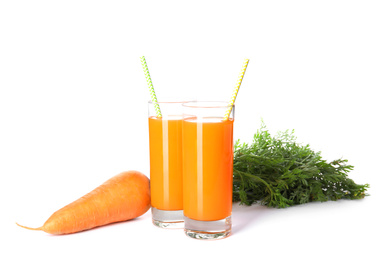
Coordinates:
(207, 104)
(166, 102)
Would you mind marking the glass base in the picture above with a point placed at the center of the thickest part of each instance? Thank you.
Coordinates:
(208, 229)
(167, 218)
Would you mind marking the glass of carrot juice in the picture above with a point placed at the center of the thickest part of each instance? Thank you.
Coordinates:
(166, 170)
(207, 169)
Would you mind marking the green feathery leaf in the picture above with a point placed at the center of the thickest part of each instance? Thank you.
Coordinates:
(279, 172)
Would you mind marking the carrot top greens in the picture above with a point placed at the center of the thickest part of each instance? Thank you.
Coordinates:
(279, 172)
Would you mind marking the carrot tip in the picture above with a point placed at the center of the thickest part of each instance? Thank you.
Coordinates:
(40, 228)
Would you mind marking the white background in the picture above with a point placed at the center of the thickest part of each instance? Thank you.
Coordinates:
(73, 113)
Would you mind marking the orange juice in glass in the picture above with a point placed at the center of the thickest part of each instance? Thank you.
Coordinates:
(166, 169)
(207, 169)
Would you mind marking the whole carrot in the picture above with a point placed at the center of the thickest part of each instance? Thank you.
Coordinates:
(123, 197)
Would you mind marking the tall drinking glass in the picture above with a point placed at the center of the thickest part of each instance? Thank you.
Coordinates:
(166, 170)
(207, 169)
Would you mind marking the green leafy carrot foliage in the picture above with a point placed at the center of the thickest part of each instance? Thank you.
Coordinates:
(279, 172)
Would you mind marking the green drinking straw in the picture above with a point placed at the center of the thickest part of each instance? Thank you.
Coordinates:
(150, 84)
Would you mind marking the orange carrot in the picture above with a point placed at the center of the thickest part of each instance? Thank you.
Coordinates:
(123, 197)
